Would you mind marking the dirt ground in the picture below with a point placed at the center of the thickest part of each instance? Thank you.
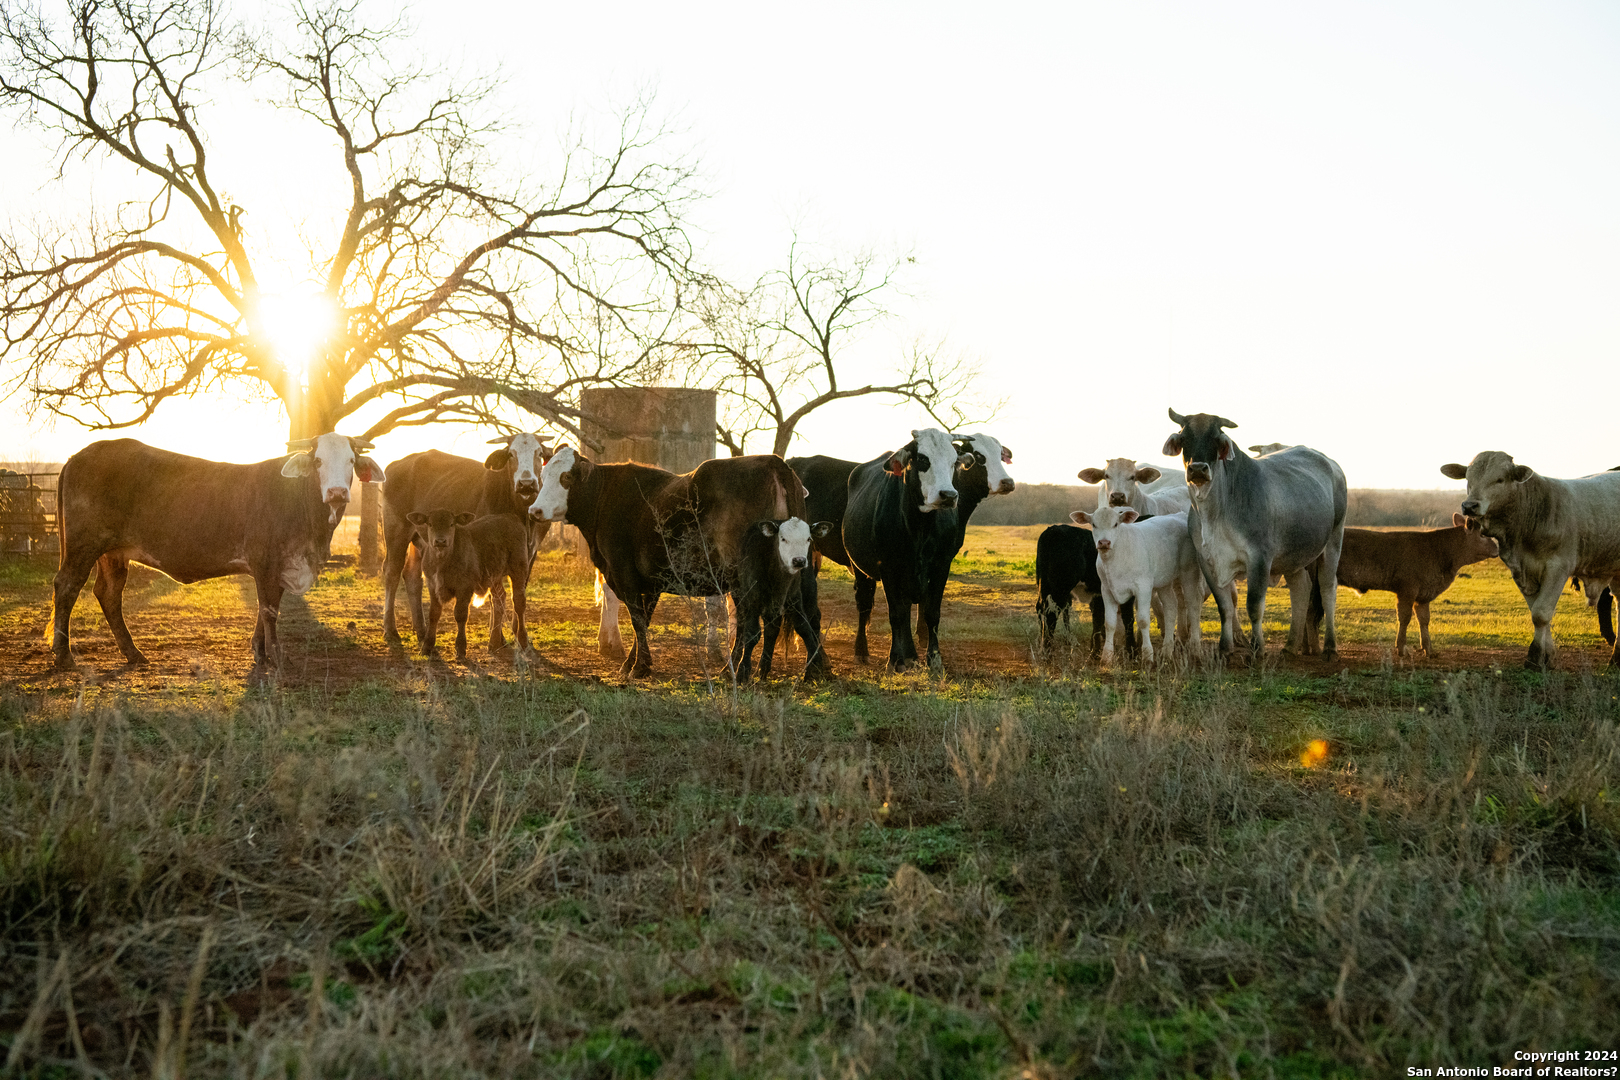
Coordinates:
(197, 637)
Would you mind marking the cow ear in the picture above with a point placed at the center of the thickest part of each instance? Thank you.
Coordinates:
(897, 462)
(498, 459)
(766, 528)
(1455, 471)
(1458, 521)
(1080, 517)
(416, 517)
(1521, 473)
(464, 519)
(1225, 452)
(1006, 456)
(299, 464)
(368, 471)
(1127, 516)
(965, 461)
(1147, 474)
(1091, 476)
(820, 529)
(1172, 446)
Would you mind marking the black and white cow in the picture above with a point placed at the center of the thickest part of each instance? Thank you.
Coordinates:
(901, 527)
(1279, 514)
(826, 481)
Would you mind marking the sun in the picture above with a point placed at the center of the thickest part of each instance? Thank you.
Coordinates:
(297, 324)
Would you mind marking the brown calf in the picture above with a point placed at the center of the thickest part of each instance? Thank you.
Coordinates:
(1415, 566)
(463, 558)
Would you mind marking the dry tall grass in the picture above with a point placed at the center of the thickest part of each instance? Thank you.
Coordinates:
(1131, 878)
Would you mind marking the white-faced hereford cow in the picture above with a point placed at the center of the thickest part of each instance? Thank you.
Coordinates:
(901, 527)
(1279, 514)
(652, 531)
(506, 483)
(122, 501)
(1548, 530)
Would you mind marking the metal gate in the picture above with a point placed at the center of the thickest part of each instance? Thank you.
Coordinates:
(28, 519)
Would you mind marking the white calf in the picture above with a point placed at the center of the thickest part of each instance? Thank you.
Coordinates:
(1145, 560)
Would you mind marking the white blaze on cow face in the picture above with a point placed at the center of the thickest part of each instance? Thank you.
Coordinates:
(935, 461)
(793, 539)
(552, 502)
(996, 459)
(526, 454)
(334, 464)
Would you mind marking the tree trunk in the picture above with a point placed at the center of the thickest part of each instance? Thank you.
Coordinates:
(370, 532)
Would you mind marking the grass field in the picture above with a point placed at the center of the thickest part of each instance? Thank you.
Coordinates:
(379, 864)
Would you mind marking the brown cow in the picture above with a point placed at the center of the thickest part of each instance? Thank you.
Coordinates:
(1415, 566)
(122, 501)
(652, 532)
(506, 483)
(463, 558)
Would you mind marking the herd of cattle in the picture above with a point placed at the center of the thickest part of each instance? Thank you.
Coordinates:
(754, 529)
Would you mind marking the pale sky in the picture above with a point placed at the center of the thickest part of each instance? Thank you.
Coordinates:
(1389, 231)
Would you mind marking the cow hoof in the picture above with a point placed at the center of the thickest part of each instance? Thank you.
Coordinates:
(391, 637)
(65, 663)
(1329, 654)
(461, 655)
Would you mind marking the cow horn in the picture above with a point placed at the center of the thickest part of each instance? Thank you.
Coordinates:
(1178, 418)
(503, 440)
(361, 444)
(300, 444)
(1224, 422)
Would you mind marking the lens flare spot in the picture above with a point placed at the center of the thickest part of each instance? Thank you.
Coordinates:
(478, 599)
(1314, 754)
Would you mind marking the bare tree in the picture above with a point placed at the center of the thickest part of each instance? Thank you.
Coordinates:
(453, 289)
(773, 351)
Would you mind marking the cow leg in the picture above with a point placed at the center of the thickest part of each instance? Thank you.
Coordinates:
(1259, 579)
(73, 572)
(608, 641)
(393, 565)
(497, 615)
(1098, 621)
(413, 592)
(1144, 617)
(902, 647)
(266, 638)
(1111, 624)
(112, 570)
(865, 600)
(928, 614)
(1423, 628)
(1192, 597)
(428, 635)
(639, 663)
(1543, 596)
(1605, 609)
(462, 604)
(520, 600)
(742, 646)
(1403, 611)
(1327, 585)
(1299, 603)
(816, 664)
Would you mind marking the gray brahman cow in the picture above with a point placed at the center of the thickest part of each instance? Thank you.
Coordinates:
(1279, 514)
(1547, 530)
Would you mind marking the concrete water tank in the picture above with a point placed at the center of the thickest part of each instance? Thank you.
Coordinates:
(667, 426)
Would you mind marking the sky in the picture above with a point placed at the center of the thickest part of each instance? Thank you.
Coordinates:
(1388, 231)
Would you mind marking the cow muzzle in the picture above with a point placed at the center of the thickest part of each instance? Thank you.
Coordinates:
(527, 490)
(798, 562)
(337, 501)
(1006, 487)
(1116, 498)
(1198, 472)
(1470, 508)
(943, 501)
(1104, 545)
